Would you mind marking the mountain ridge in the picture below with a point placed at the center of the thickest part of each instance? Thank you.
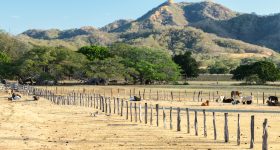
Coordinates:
(154, 29)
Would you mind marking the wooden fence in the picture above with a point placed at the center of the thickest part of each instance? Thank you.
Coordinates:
(130, 110)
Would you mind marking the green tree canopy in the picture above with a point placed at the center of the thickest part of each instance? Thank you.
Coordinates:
(146, 65)
(188, 64)
(95, 52)
(43, 63)
(264, 70)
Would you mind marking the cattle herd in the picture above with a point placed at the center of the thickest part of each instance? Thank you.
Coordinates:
(236, 98)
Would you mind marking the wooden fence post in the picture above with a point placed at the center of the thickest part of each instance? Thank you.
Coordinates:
(194, 96)
(135, 109)
(226, 136)
(178, 119)
(144, 93)
(171, 125)
(110, 111)
(140, 113)
(214, 126)
(118, 106)
(204, 123)
(157, 95)
(263, 97)
(195, 123)
(146, 113)
(103, 104)
(172, 97)
(188, 120)
(151, 118)
(164, 117)
(238, 129)
(126, 110)
(252, 141)
(130, 111)
(122, 107)
(157, 113)
(265, 136)
(114, 105)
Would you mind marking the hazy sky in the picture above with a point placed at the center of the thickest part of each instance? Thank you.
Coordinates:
(17, 16)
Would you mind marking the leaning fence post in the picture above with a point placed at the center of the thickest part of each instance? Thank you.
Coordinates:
(265, 136)
(178, 119)
(157, 107)
(164, 117)
(195, 123)
(171, 125)
(188, 120)
(204, 123)
(214, 126)
(238, 129)
(226, 136)
(252, 141)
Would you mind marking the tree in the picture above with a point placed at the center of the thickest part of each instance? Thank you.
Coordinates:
(109, 68)
(47, 63)
(146, 65)
(95, 52)
(261, 71)
(189, 66)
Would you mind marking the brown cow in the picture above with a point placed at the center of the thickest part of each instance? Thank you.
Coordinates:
(205, 103)
(235, 93)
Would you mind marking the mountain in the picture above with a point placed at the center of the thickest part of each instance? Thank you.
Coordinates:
(177, 27)
(115, 25)
(178, 14)
(251, 28)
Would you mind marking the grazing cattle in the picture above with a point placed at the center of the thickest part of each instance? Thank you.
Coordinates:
(205, 103)
(220, 98)
(229, 100)
(16, 96)
(247, 99)
(36, 98)
(272, 100)
(234, 94)
(135, 98)
(235, 102)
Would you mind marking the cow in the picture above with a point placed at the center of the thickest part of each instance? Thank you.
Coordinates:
(235, 102)
(272, 101)
(135, 98)
(220, 98)
(247, 99)
(234, 94)
(205, 103)
(229, 100)
(36, 98)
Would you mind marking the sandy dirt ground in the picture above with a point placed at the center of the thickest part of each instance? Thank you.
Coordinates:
(28, 124)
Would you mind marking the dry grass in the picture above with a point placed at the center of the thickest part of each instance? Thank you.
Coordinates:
(42, 125)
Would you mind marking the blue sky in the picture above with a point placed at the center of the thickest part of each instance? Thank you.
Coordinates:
(17, 16)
